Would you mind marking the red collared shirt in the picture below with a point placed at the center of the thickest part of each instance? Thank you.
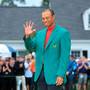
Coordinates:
(49, 31)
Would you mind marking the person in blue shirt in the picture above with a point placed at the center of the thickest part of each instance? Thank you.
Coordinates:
(71, 73)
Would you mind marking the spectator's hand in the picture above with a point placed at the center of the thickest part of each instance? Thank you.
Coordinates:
(83, 63)
(59, 81)
(29, 29)
(4, 69)
(6, 65)
(85, 66)
(21, 65)
(67, 73)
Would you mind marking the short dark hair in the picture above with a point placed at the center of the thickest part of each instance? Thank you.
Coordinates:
(49, 9)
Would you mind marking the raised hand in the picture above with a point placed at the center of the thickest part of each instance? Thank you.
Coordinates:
(29, 29)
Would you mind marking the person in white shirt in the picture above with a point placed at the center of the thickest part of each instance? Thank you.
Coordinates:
(28, 72)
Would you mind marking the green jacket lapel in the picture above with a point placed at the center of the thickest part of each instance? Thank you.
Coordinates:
(43, 37)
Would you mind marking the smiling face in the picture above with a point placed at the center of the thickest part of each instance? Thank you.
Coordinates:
(48, 19)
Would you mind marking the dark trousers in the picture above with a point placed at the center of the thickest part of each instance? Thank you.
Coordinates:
(42, 85)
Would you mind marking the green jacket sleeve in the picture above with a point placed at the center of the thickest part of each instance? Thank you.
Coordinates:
(30, 43)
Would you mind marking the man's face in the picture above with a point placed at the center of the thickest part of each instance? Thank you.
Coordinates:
(47, 18)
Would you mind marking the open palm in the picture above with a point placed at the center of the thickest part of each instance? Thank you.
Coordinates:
(28, 29)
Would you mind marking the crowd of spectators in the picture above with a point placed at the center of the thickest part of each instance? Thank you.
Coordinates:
(78, 74)
(17, 73)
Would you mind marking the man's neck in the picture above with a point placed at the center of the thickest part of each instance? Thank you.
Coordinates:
(51, 26)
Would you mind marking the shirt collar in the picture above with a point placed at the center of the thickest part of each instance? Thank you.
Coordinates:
(51, 27)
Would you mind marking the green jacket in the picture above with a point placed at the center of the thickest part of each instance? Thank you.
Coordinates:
(55, 56)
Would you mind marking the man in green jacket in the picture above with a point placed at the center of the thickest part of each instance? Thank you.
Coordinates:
(52, 46)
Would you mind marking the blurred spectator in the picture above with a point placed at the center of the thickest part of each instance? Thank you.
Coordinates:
(6, 74)
(71, 74)
(1, 66)
(28, 72)
(33, 64)
(33, 70)
(88, 71)
(20, 78)
(12, 74)
(82, 71)
(1, 73)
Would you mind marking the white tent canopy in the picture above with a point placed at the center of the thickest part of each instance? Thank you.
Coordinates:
(5, 50)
